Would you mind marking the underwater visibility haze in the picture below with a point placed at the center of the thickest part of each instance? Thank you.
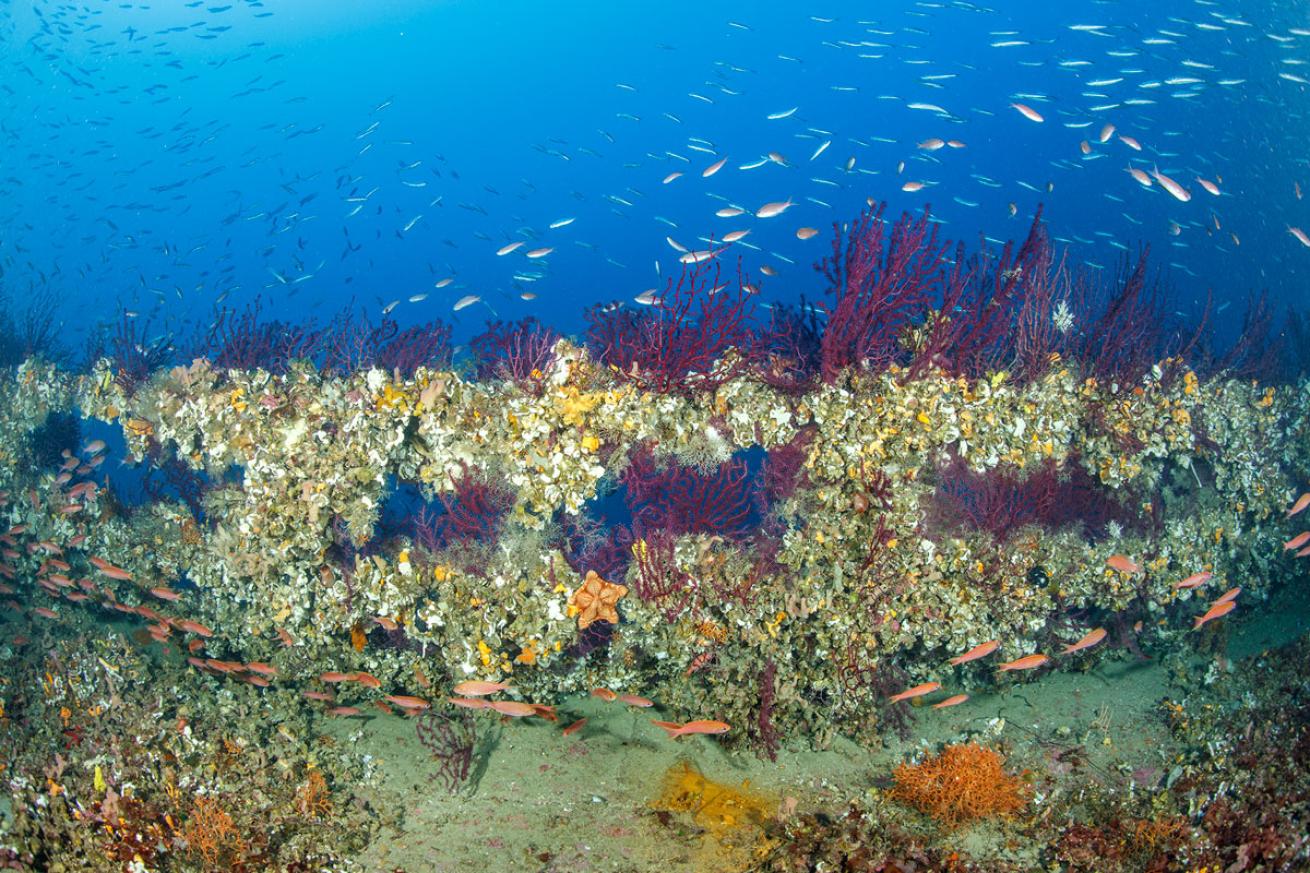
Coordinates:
(634, 437)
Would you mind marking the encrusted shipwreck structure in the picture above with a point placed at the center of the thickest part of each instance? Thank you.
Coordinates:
(872, 509)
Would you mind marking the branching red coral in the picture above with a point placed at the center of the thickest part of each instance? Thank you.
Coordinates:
(678, 345)
(686, 500)
(880, 281)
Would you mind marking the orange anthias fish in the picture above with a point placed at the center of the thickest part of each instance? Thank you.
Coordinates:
(194, 627)
(917, 691)
(1195, 580)
(1218, 610)
(981, 650)
(700, 726)
(1297, 541)
(1086, 642)
(404, 701)
(951, 701)
(1027, 662)
(469, 702)
(575, 727)
(512, 708)
(634, 700)
(604, 694)
(477, 688)
(1301, 503)
(1123, 564)
(1230, 594)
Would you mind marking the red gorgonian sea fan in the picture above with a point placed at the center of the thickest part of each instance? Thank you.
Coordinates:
(677, 345)
(879, 281)
(687, 500)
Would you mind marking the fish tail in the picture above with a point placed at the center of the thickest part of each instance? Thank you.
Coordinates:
(674, 730)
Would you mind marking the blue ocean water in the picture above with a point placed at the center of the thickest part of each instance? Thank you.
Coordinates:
(169, 157)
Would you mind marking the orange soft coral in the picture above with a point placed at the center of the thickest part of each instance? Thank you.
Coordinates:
(963, 783)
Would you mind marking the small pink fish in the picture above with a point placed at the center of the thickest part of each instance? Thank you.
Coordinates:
(1086, 642)
(512, 708)
(1230, 594)
(1195, 580)
(1297, 541)
(1218, 610)
(916, 691)
(1027, 662)
(634, 700)
(981, 650)
(951, 701)
(1125, 564)
(700, 726)
(478, 688)
(1301, 503)
(404, 701)
(469, 702)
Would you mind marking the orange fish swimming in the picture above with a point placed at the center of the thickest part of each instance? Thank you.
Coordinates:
(469, 702)
(512, 708)
(404, 701)
(604, 694)
(110, 570)
(1230, 594)
(634, 700)
(1195, 580)
(700, 726)
(981, 650)
(194, 627)
(1297, 541)
(1301, 503)
(575, 727)
(368, 680)
(916, 691)
(1027, 662)
(951, 701)
(1123, 564)
(1086, 642)
(477, 688)
(1218, 610)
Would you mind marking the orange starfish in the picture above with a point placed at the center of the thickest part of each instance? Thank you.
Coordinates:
(596, 599)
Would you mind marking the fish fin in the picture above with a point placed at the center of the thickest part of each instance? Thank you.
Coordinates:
(674, 730)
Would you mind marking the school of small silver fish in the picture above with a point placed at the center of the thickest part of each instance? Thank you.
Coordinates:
(1130, 110)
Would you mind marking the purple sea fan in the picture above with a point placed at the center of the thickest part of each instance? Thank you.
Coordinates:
(879, 282)
(519, 352)
(473, 512)
(686, 500)
(423, 345)
(675, 345)
(242, 341)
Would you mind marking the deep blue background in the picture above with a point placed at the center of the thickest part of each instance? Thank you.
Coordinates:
(167, 156)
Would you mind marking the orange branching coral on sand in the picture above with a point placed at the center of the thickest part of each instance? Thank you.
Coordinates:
(964, 783)
(212, 834)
